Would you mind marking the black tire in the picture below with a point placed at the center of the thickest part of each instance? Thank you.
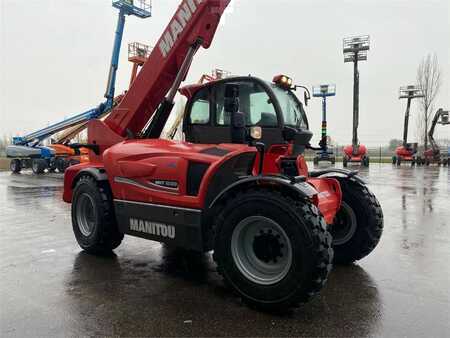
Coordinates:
(366, 161)
(358, 224)
(38, 165)
(93, 199)
(61, 164)
(309, 241)
(15, 166)
(52, 166)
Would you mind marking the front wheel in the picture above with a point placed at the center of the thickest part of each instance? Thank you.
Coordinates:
(61, 164)
(274, 251)
(38, 165)
(358, 225)
(93, 219)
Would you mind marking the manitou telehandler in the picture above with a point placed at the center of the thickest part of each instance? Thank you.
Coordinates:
(434, 154)
(238, 185)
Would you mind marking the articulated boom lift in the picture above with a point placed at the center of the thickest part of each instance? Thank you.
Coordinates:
(433, 155)
(238, 187)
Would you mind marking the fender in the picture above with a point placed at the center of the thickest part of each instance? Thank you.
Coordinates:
(98, 173)
(298, 186)
(73, 173)
(338, 173)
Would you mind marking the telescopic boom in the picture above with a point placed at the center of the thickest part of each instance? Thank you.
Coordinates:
(193, 25)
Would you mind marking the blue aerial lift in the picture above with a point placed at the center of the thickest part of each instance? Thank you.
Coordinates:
(27, 151)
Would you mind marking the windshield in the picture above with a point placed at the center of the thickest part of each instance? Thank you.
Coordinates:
(292, 108)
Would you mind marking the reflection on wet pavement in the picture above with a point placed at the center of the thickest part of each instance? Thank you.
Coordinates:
(49, 287)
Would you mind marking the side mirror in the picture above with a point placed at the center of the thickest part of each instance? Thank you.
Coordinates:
(231, 106)
(306, 97)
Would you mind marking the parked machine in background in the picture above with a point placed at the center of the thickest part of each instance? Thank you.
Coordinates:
(355, 50)
(325, 153)
(239, 185)
(28, 152)
(434, 154)
(407, 152)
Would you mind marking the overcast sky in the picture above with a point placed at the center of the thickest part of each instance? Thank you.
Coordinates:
(55, 55)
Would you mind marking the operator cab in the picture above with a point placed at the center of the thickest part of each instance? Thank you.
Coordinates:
(271, 106)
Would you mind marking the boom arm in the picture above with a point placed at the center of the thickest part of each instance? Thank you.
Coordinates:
(193, 25)
(57, 127)
(440, 113)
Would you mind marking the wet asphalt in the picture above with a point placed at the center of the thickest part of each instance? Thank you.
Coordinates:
(49, 287)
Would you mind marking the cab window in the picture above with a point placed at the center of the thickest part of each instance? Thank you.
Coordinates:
(200, 110)
(254, 102)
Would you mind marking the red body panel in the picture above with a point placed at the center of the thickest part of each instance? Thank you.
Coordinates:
(132, 166)
(329, 197)
(358, 155)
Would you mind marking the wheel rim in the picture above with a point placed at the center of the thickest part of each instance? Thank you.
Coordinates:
(261, 250)
(86, 214)
(344, 225)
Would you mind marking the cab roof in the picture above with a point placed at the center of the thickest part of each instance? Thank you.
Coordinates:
(189, 90)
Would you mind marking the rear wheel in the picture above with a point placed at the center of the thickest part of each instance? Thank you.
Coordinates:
(15, 166)
(274, 251)
(366, 161)
(38, 165)
(93, 219)
(358, 225)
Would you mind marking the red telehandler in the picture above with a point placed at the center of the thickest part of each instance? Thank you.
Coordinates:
(247, 194)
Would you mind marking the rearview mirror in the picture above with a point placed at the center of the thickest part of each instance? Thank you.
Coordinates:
(231, 106)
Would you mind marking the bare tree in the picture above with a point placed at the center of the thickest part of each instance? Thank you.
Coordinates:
(429, 79)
